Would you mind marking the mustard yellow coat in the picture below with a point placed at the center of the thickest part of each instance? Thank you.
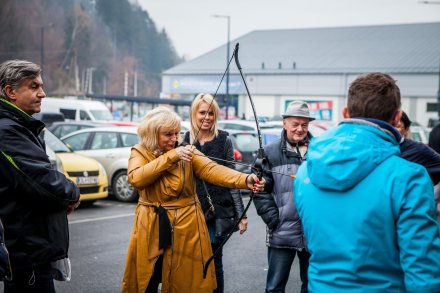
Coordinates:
(170, 182)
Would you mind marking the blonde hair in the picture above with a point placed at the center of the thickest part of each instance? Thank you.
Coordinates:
(159, 119)
(198, 100)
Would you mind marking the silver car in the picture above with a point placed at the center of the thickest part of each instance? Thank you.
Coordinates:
(111, 146)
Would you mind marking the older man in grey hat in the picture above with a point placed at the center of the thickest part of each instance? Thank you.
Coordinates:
(285, 237)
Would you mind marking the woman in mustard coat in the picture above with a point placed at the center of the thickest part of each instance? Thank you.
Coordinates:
(170, 243)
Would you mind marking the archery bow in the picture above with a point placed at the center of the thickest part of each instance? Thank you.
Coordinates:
(258, 165)
(246, 165)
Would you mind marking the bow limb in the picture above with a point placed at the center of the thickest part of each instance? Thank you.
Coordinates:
(260, 156)
(258, 165)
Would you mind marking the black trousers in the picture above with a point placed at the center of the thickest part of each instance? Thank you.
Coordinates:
(156, 278)
(38, 280)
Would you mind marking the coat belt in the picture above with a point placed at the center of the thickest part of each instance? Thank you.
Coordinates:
(164, 222)
(170, 205)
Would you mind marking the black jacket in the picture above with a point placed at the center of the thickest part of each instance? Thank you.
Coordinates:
(5, 266)
(422, 154)
(33, 195)
(227, 202)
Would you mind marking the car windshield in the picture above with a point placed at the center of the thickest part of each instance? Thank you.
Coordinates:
(246, 142)
(55, 143)
(102, 115)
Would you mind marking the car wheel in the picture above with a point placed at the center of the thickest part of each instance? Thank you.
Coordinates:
(122, 189)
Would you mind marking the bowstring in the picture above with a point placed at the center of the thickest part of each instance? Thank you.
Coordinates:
(243, 164)
(213, 99)
(197, 134)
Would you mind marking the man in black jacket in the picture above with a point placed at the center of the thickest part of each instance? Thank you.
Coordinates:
(285, 237)
(418, 152)
(34, 197)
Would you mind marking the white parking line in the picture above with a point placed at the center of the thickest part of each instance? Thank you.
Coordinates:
(101, 218)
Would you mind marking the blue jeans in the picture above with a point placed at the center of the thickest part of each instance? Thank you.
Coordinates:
(218, 262)
(280, 261)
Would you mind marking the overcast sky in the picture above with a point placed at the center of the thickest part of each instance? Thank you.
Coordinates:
(194, 31)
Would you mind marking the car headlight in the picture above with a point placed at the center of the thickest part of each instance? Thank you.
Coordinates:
(102, 170)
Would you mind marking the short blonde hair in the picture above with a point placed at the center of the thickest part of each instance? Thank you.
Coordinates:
(198, 100)
(159, 119)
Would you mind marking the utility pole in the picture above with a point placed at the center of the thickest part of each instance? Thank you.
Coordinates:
(135, 84)
(42, 46)
(42, 51)
(126, 83)
(90, 91)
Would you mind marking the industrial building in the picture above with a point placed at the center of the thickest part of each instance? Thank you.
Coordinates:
(316, 65)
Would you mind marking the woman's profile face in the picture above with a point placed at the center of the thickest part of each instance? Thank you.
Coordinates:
(204, 119)
(401, 128)
(167, 140)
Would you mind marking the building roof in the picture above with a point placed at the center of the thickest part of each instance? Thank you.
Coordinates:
(404, 48)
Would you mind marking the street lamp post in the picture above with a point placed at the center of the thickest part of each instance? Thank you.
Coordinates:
(227, 61)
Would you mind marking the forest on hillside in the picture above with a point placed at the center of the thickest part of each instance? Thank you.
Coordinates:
(100, 46)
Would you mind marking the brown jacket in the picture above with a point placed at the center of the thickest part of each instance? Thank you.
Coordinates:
(168, 181)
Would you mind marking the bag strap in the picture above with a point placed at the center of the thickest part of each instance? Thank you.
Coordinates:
(211, 206)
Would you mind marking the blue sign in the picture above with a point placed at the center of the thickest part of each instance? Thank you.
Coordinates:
(194, 84)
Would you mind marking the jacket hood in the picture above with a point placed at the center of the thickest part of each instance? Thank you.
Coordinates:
(342, 157)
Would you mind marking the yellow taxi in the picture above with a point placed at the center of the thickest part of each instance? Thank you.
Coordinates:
(87, 173)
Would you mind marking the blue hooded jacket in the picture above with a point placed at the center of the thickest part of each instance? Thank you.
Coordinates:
(368, 215)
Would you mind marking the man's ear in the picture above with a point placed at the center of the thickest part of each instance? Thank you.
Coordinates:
(396, 119)
(10, 93)
(345, 113)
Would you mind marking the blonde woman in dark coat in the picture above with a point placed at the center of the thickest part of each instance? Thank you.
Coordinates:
(227, 203)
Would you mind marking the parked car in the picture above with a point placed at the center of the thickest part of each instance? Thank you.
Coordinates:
(184, 127)
(241, 125)
(260, 118)
(49, 117)
(121, 123)
(419, 133)
(60, 129)
(111, 146)
(87, 173)
(245, 145)
(77, 109)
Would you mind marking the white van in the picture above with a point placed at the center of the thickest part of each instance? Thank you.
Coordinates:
(77, 109)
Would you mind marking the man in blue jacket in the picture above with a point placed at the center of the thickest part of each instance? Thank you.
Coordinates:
(368, 214)
(34, 197)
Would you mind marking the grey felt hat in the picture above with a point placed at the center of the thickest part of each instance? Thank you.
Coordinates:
(298, 109)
